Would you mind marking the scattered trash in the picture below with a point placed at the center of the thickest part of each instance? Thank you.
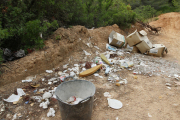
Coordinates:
(132, 49)
(52, 79)
(20, 92)
(135, 38)
(157, 50)
(149, 115)
(168, 84)
(47, 95)
(49, 83)
(51, 112)
(96, 47)
(104, 59)
(90, 71)
(65, 66)
(118, 84)
(19, 54)
(42, 79)
(116, 39)
(72, 74)
(93, 65)
(107, 94)
(62, 78)
(144, 45)
(115, 104)
(88, 65)
(38, 98)
(49, 71)
(86, 53)
(9, 56)
(14, 116)
(31, 104)
(2, 106)
(26, 102)
(14, 97)
(135, 77)
(74, 100)
(111, 48)
(35, 91)
(113, 55)
(44, 105)
(169, 87)
(27, 80)
(141, 41)
(34, 85)
(16, 102)
(97, 75)
(107, 70)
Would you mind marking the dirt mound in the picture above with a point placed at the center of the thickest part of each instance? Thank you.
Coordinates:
(170, 22)
(71, 40)
(169, 35)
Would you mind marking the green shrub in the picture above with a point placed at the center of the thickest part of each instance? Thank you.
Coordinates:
(145, 12)
(58, 37)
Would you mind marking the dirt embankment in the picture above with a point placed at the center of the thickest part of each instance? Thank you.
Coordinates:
(170, 34)
(55, 51)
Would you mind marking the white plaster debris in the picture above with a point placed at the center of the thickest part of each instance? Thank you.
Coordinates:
(49, 71)
(46, 95)
(44, 105)
(51, 112)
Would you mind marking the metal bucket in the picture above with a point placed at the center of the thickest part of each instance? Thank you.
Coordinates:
(81, 88)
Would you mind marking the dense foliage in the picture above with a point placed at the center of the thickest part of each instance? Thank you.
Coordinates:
(22, 21)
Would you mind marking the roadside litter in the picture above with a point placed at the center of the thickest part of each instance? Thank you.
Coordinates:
(140, 41)
(116, 39)
(14, 97)
(74, 100)
(51, 112)
(115, 104)
(10, 56)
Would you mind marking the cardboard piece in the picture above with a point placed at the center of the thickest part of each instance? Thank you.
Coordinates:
(142, 32)
(135, 38)
(117, 39)
(157, 50)
(145, 45)
(133, 49)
